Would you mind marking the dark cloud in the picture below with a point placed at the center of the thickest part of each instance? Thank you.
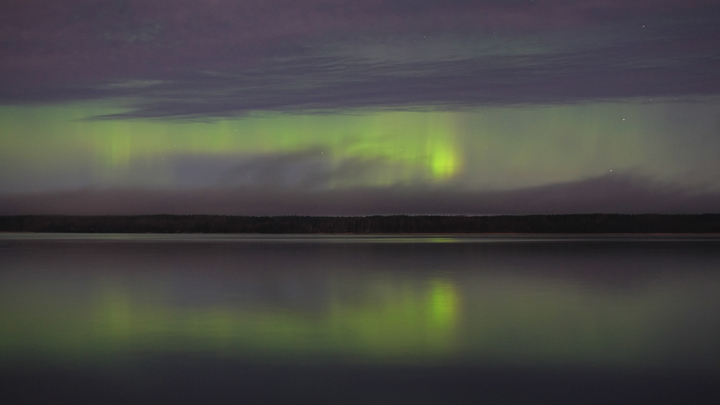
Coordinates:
(609, 194)
(306, 169)
(222, 58)
(310, 169)
(314, 168)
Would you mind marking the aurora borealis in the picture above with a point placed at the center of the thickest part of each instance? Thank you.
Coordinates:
(354, 108)
(187, 117)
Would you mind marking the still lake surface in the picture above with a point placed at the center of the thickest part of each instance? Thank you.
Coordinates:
(388, 319)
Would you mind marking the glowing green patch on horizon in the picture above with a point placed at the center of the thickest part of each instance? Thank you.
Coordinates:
(396, 147)
(487, 148)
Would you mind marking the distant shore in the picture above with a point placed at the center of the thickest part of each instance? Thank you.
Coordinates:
(571, 223)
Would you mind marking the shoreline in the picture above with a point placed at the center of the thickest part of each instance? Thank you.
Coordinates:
(566, 224)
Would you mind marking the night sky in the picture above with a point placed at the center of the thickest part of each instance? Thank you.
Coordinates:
(356, 107)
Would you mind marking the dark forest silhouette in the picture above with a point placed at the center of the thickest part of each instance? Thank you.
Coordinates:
(579, 223)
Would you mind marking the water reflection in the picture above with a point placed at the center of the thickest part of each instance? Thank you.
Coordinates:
(583, 303)
(386, 320)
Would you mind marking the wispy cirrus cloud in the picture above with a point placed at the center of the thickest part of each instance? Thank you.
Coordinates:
(223, 58)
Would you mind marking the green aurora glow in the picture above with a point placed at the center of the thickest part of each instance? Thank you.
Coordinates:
(417, 145)
(60, 147)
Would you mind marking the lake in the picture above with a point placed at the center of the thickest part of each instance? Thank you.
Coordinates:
(391, 319)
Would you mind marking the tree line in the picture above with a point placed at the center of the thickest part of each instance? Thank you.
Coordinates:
(573, 223)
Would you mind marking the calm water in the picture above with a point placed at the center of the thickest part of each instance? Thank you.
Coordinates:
(359, 319)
